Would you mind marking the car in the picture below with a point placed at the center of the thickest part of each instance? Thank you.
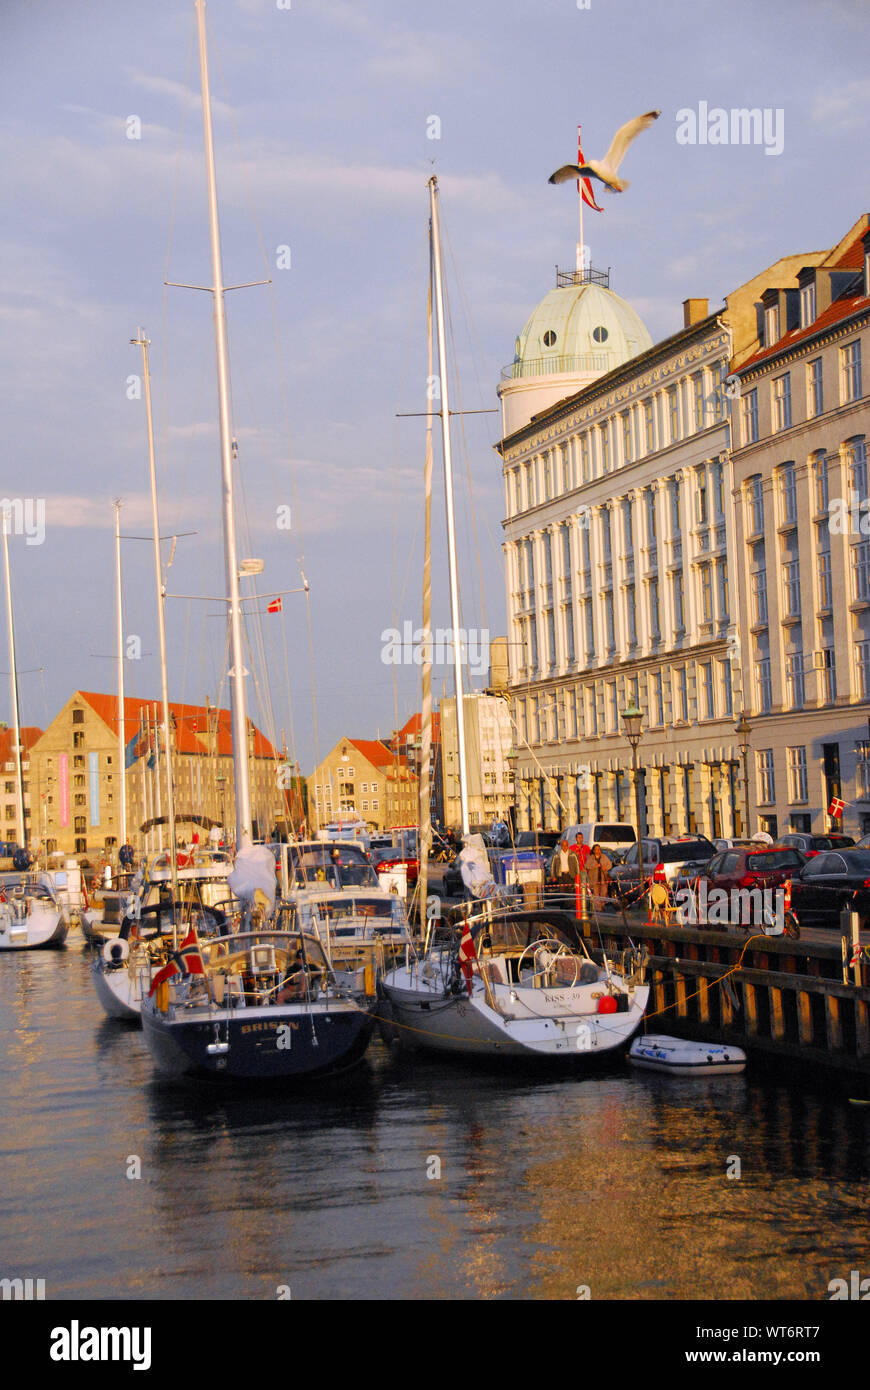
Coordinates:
(392, 857)
(610, 835)
(537, 839)
(666, 859)
(814, 844)
(829, 881)
(763, 866)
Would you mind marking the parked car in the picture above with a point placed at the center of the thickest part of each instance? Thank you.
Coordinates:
(814, 844)
(762, 866)
(544, 840)
(665, 860)
(610, 835)
(829, 881)
(392, 857)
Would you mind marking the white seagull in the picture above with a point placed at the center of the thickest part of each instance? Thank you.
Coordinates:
(605, 169)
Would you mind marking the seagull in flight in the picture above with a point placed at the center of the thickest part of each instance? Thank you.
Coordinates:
(605, 169)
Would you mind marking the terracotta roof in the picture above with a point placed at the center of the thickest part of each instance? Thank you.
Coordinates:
(840, 309)
(29, 735)
(852, 258)
(415, 724)
(377, 752)
(191, 723)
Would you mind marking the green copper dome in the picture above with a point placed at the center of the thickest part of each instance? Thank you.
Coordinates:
(579, 328)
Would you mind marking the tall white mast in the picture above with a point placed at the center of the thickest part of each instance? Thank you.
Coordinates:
(448, 494)
(237, 668)
(122, 747)
(13, 669)
(141, 341)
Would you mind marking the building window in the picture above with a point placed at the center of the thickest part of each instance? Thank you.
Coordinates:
(763, 686)
(683, 693)
(631, 615)
(585, 472)
(862, 669)
(654, 614)
(862, 771)
(605, 446)
(850, 372)
(722, 583)
(700, 402)
(674, 413)
(756, 506)
(791, 582)
(771, 325)
(815, 393)
(794, 680)
(749, 416)
(651, 530)
(856, 455)
(825, 600)
(788, 491)
(861, 572)
(609, 620)
(725, 687)
(676, 528)
(808, 304)
(820, 480)
(766, 783)
(78, 716)
(649, 425)
(659, 695)
(707, 677)
(78, 740)
(679, 613)
(759, 594)
(782, 402)
(829, 676)
(626, 436)
(706, 582)
(797, 774)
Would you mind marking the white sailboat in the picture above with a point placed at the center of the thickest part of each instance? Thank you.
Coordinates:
(513, 984)
(263, 1003)
(30, 914)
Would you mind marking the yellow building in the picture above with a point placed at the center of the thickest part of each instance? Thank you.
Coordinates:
(365, 777)
(75, 774)
(9, 826)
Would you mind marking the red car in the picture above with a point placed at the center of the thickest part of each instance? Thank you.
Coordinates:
(391, 857)
(762, 867)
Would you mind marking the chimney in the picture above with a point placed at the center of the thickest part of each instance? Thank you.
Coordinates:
(693, 311)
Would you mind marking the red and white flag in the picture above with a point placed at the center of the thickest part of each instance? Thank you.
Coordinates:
(187, 960)
(276, 606)
(584, 186)
(836, 808)
(467, 956)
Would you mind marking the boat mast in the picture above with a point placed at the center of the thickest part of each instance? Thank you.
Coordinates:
(448, 492)
(237, 668)
(19, 783)
(425, 811)
(141, 341)
(122, 750)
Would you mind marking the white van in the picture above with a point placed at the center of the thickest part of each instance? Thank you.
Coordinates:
(607, 834)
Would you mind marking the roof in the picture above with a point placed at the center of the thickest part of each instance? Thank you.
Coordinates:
(29, 735)
(838, 312)
(191, 723)
(579, 322)
(377, 752)
(413, 727)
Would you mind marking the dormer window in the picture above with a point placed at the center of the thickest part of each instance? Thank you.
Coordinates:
(771, 325)
(808, 304)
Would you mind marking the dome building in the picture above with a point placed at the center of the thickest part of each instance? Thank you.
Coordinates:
(579, 331)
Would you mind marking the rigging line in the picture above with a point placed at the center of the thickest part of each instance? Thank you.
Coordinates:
(313, 689)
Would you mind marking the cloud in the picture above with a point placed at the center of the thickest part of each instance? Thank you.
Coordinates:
(843, 105)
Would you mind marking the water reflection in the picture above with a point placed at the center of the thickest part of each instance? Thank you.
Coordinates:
(616, 1180)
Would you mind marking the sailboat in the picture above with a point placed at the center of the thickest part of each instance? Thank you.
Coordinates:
(262, 1003)
(509, 984)
(30, 913)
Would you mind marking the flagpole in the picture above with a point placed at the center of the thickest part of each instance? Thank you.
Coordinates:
(580, 201)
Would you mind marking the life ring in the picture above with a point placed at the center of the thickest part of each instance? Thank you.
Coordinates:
(115, 952)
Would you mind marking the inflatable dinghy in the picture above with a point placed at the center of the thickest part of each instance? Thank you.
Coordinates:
(679, 1056)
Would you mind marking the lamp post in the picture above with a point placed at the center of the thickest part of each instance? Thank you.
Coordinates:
(631, 718)
(743, 730)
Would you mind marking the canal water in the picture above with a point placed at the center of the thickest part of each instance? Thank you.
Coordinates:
(410, 1179)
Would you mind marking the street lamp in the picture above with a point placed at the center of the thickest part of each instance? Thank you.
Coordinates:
(631, 718)
(743, 730)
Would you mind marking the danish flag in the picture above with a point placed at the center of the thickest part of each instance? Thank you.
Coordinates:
(276, 606)
(836, 808)
(467, 955)
(584, 186)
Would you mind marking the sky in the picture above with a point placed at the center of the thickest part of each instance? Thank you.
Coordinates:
(322, 123)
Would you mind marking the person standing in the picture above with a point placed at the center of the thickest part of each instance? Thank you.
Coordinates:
(598, 866)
